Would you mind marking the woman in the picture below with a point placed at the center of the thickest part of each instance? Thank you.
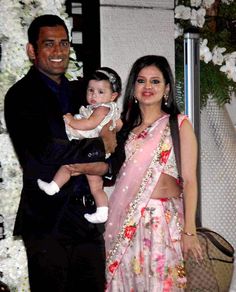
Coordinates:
(147, 233)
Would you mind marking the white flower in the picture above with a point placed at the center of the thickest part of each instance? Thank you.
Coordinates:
(207, 3)
(205, 53)
(178, 30)
(198, 17)
(14, 264)
(230, 66)
(227, 1)
(182, 12)
(9, 20)
(217, 56)
(196, 3)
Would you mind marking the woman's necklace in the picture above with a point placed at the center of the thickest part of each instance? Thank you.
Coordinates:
(146, 125)
(137, 138)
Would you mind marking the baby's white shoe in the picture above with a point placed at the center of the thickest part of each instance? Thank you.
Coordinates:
(49, 188)
(100, 216)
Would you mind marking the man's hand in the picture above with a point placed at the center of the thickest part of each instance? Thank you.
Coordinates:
(93, 168)
(109, 138)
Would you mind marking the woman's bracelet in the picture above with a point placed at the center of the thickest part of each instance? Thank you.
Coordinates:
(188, 233)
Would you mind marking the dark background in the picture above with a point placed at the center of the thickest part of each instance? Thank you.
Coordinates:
(89, 24)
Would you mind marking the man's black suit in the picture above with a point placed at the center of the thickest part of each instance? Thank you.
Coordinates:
(33, 114)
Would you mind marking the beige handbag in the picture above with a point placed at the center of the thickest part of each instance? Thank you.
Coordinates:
(214, 273)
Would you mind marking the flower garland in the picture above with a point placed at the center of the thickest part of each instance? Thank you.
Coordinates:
(215, 20)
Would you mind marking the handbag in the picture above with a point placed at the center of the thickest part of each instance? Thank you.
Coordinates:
(214, 273)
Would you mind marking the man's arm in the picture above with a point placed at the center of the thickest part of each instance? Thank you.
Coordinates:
(33, 129)
(92, 150)
(95, 168)
(109, 138)
(116, 160)
(112, 165)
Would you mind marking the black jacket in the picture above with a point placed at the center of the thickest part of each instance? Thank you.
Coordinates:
(34, 121)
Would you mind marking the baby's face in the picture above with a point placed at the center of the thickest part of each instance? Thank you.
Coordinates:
(99, 92)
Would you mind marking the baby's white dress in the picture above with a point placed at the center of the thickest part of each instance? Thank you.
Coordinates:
(85, 112)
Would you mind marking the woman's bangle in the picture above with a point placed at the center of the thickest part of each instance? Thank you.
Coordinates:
(188, 233)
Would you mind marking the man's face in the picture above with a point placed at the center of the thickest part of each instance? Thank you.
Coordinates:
(52, 54)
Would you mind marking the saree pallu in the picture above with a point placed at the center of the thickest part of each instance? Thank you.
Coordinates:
(146, 156)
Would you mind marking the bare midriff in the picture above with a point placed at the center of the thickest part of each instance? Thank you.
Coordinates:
(166, 187)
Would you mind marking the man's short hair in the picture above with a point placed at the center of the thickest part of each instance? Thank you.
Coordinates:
(42, 21)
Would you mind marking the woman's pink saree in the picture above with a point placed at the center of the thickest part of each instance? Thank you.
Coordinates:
(142, 234)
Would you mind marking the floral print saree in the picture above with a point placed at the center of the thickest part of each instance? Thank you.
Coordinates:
(143, 234)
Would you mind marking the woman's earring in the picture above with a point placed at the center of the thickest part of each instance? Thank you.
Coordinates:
(165, 98)
(135, 100)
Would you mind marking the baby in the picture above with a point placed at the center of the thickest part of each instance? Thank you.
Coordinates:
(104, 87)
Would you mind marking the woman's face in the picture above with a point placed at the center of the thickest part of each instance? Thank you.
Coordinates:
(150, 86)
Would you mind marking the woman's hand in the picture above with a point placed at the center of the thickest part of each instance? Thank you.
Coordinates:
(191, 246)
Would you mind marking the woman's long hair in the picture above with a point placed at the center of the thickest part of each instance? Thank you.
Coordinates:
(131, 115)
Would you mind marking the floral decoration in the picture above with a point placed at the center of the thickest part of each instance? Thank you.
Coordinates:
(215, 21)
(112, 267)
(143, 211)
(164, 156)
(13, 264)
(136, 266)
(165, 152)
(130, 231)
(168, 216)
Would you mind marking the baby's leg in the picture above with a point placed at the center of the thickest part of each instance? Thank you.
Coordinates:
(100, 197)
(61, 177)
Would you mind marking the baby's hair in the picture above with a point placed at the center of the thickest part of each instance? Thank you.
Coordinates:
(106, 73)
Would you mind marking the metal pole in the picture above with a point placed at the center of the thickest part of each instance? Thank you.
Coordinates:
(192, 95)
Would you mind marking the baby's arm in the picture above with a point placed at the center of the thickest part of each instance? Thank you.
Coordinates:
(92, 122)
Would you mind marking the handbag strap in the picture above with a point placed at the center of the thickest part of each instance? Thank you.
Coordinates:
(174, 130)
(223, 249)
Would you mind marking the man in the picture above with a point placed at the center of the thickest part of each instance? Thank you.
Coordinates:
(65, 252)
